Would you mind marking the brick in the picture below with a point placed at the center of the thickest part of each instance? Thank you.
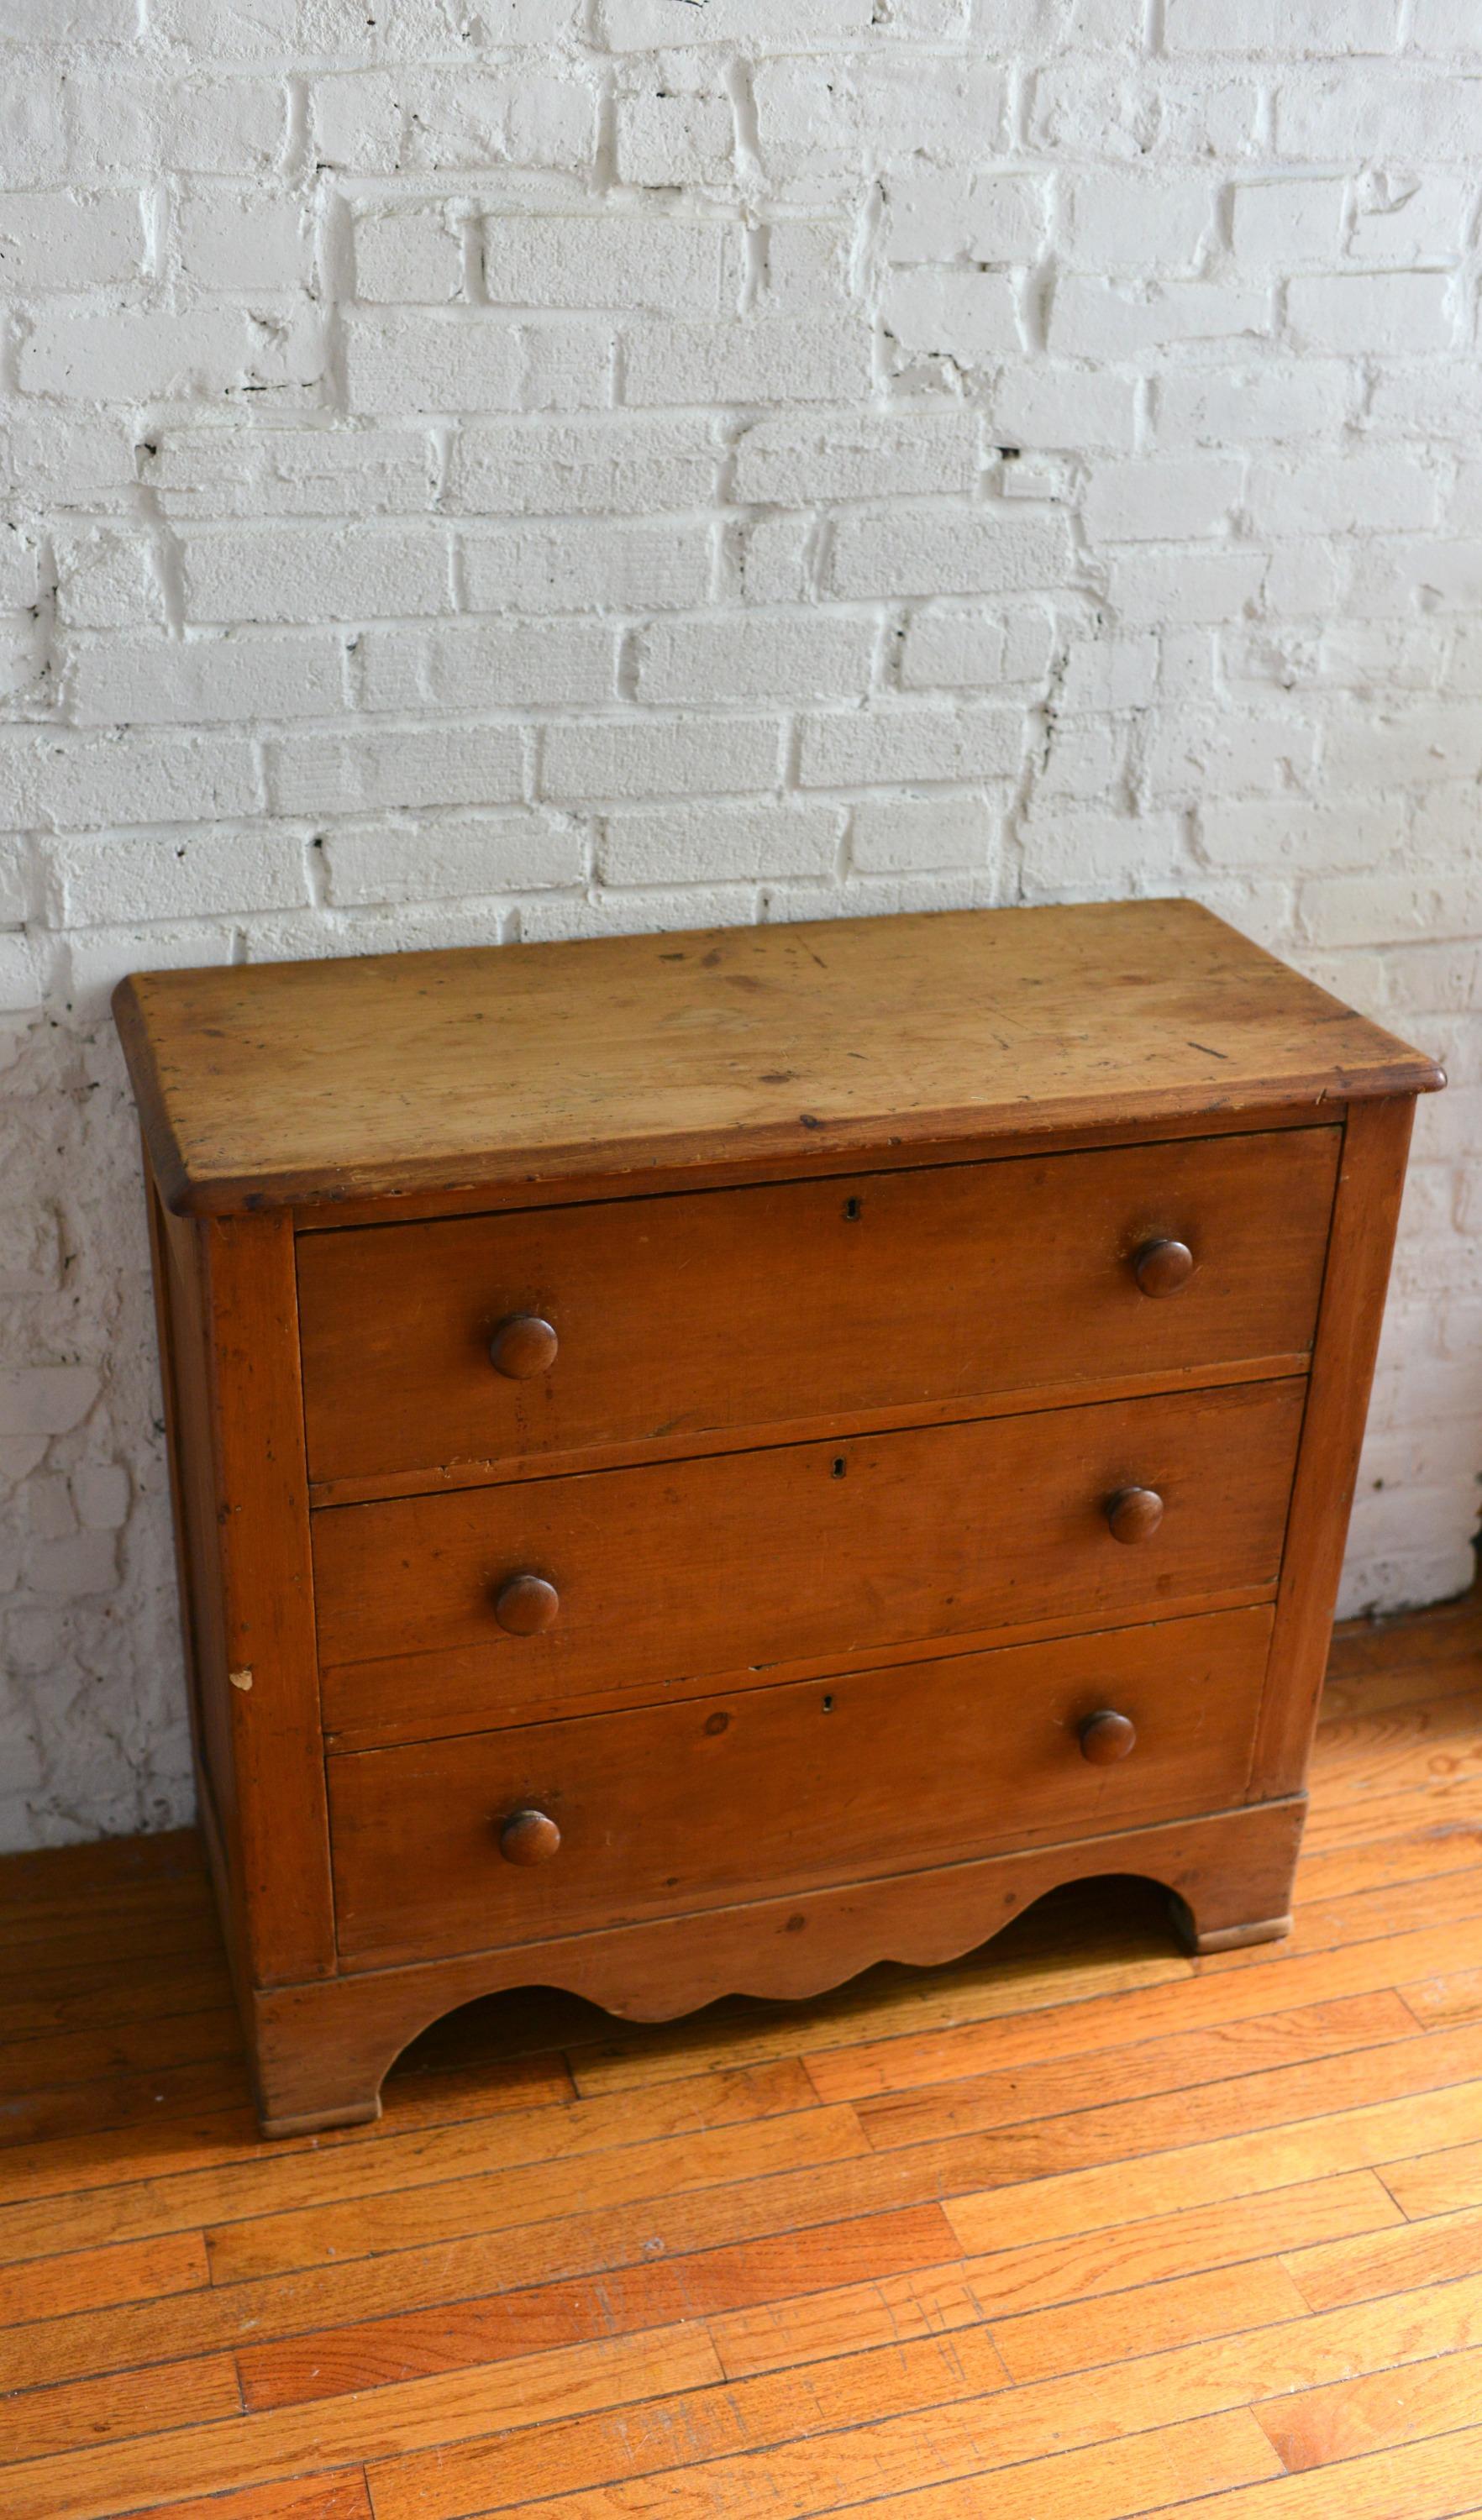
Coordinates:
(1155, 586)
(45, 1398)
(21, 980)
(584, 259)
(1116, 221)
(474, 856)
(1043, 406)
(287, 472)
(970, 646)
(689, 756)
(1404, 220)
(1084, 107)
(855, 455)
(59, 241)
(1281, 399)
(1413, 748)
(588, 566)
(1371, 493)
(1103, 319)
(1109, 674)
(239, 239)
(341, 774)
(1193, 755)
(773, 559)
(807, 263)
(894, 552)
(195, 875)
(301, 573)
(30, 1250)
(757, 359)
(871, 748)
(1281, 225)
(101, 1493)
(966, 316)
(1342, 26)
(1356, 117)
(1284, 831)
(413, 256)
(757, 656)
(106, 577)
(669, 139)
(213, 351)
(134, 679)
(644, 26)
(933, 214)
(1379, 312)
(719, 843)
(464, 359)
(57, 782)
(908, 834)
(1165, 500)
(1081, 856)
(628, 463)
(486, 665)
(816, 118)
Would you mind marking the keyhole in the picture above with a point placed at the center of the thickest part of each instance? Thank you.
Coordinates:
(828, 1706)
(852, 1209)
(839, 1467)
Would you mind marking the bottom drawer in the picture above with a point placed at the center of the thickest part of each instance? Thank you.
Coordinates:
(742, 1796)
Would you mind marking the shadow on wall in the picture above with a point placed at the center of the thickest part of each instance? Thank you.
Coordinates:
(93, 1731)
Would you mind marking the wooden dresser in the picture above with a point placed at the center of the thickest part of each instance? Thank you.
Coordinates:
(703, 1461)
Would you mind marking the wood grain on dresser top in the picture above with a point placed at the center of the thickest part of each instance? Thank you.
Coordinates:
(302, 1083)
(675, 1318)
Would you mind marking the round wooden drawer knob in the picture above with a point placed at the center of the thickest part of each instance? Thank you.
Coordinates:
(532, 1837)
(526, 1606)
(1106, 1738)
(1134, 1515)
(1161, 1268)
(524, 1345)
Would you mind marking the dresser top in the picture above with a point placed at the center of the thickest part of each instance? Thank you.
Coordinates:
(294, 1083)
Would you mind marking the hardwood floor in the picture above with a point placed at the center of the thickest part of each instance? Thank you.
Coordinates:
(1076, 2230)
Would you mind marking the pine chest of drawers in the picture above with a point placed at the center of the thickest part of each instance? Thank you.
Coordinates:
(704, 1462)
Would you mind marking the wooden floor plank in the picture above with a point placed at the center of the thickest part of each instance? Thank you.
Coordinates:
(117, 2405)
(618, 2303)
(52, 2287)
(345, 2497)
(1357, 2268)
(1429, 2480)
(1083, 2266)
(76, 2166)
(717, 2439)
(1380, 2411)
(213, 2457)
(926, 2474)
(1187, 2060)
(261, 2181)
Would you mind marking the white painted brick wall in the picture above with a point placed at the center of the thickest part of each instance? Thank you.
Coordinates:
(615, 464)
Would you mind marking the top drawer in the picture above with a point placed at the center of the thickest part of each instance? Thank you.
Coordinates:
(714, 1310)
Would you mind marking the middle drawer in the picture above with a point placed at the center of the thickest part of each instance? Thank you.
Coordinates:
(736, 1562)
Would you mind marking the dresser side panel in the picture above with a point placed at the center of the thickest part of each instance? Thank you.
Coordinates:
(184, 1378)
(1366, 1214)
(269, 1685)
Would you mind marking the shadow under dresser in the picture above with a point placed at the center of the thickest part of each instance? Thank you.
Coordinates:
(704, 1462)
